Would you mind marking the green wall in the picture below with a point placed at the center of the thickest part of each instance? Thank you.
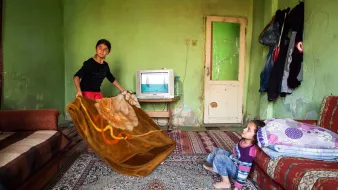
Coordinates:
(320, 68)
(257, 62)
(152, 35)
(265, 107)
(33, 55)
(147, 34)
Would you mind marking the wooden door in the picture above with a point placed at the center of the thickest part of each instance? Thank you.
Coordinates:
(224, 69)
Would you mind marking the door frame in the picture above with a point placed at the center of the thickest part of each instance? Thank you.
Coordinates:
(1, 63)
(208, 57)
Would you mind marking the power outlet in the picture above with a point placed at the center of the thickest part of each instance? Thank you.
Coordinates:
(194, 42)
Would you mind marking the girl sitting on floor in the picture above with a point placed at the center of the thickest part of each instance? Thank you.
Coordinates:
(236, 165)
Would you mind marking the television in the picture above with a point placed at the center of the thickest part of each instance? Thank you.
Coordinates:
(155, 84)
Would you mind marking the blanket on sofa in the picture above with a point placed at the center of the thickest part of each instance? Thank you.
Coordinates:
(286, 137)
(121, 133)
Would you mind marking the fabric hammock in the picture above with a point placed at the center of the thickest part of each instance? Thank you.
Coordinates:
(121, 133)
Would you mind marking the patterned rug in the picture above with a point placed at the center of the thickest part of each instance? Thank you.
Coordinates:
(181, 170)
(191, 142)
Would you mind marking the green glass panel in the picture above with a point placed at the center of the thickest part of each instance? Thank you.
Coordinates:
(225, 51)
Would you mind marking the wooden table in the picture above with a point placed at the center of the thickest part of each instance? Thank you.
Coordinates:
(159, 114)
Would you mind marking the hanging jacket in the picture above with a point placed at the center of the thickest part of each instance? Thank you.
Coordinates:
(269, 37)
(276, 76)
(296, 22)
(285, 88)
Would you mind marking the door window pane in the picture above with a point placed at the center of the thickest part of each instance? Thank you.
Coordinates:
(225, 51)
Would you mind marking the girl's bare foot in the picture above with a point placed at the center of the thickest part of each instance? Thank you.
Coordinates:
(207, 163)
(208, 168)
(222, 184)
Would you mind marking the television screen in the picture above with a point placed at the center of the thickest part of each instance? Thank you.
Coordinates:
(154, 82)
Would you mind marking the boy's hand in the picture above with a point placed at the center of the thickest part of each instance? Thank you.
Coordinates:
(122, 90)
(78, 93)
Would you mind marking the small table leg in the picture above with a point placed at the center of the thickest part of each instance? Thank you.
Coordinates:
(168, 113)
(170, 116)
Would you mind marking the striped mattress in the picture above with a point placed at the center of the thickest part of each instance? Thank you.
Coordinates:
(22, 154)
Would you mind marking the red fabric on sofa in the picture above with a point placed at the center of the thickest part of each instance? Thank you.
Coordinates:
(28, 120)
(261, 178)
(328, 117)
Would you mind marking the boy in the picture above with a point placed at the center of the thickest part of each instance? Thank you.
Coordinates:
(92, 73)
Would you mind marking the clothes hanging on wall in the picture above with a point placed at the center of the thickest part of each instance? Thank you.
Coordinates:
(275, 81)
(276, 76)
(296, 19)
(293, 74)
(270, 37)
(285, 88)
(283, 68)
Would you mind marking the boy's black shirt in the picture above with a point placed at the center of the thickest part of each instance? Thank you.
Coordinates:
(92, 74)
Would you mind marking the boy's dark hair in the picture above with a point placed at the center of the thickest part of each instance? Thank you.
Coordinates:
(105, 42)
(258, 124)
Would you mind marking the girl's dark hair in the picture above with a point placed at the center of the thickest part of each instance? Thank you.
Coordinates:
(105, 42)
(258, 124)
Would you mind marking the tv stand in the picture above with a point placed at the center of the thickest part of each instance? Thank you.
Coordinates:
(159, 114)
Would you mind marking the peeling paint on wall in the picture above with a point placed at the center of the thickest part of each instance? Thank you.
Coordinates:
(19, 96)
(293, 105)
(311, 115)
(184, 117)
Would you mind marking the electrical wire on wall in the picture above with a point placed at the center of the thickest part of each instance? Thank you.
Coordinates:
(186, 62)
(185, 73)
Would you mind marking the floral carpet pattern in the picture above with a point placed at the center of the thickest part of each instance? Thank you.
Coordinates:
(181, 170)
(177, 172)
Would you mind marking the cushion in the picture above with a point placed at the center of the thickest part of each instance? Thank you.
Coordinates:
(296, 134)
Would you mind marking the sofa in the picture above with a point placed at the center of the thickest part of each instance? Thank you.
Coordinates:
(30, 147)
(300, 173)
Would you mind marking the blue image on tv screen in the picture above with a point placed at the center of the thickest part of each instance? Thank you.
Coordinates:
(154, 82)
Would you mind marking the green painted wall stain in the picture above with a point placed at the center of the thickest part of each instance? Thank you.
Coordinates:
(33, 55)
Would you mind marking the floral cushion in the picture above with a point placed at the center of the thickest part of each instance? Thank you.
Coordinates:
(288, 132)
